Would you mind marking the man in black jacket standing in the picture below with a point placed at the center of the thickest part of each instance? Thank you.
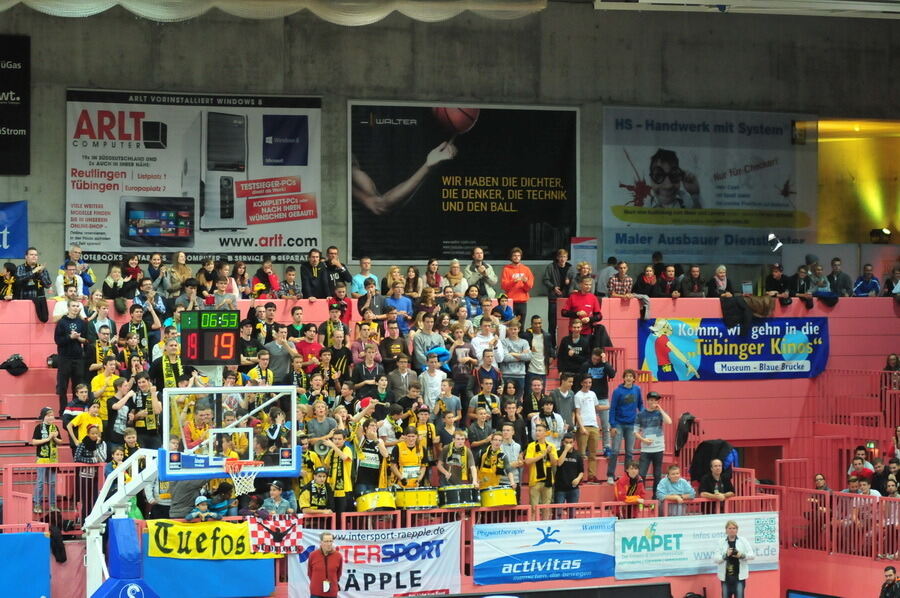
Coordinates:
(335, 270)
(543, 349)
(557, 280)
(314, 277)
(70, 336)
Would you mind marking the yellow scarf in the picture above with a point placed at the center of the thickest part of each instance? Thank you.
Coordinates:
(170, 373)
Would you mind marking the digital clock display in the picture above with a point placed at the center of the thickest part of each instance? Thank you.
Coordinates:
(210, 337)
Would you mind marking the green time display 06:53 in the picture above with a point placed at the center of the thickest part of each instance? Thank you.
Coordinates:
(210, 337)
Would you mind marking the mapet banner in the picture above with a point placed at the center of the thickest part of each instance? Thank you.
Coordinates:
(222, 176)
(544, 550)
(434, 180)
(706, 185)
(664, 546)
(386, 562)
(13, 229)
(674, 349)
(15, 105)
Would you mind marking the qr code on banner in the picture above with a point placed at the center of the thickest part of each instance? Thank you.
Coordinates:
(765, 530)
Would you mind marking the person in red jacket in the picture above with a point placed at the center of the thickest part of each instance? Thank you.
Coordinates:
(517, 281)
(584, 305)
(324, 569)
(630, 487)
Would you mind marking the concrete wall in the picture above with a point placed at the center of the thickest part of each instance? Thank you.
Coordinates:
(569, 54)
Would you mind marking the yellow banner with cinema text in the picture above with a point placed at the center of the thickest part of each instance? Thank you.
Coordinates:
(208, 540)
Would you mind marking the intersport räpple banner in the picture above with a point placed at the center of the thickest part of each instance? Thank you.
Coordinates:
(223, 176)
(435, 180)
(706, 185)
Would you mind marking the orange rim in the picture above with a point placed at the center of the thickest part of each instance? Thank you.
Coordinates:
(235, 466)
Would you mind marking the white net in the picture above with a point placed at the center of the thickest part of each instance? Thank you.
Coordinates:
(243, 475)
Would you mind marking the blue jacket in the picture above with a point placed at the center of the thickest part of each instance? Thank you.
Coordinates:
(863, 287)
(625, 405)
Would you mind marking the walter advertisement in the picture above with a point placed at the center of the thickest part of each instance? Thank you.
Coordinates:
(225, 176)
(706, 186)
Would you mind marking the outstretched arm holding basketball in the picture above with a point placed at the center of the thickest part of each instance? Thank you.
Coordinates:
(365, 191)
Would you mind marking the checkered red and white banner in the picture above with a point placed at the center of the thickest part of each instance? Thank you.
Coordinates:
(279, 534)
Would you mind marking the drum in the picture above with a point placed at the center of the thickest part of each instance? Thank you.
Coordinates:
(416, 498)
(498, 496)
(459, 497)
(381, 499)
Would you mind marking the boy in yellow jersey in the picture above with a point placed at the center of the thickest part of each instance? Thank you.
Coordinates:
(542, 457)
(406, 460)
(492, 464)
(239, 441)
(79, 425)
(340, 465)
(103, 390)
(429, 441)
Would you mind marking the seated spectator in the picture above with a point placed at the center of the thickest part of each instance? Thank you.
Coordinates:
(692, 284)
(880, 475)
(8, 282)
(673, 490)
(645, 282)
(860, 451)
(852, 485)
(265, 283)
(630, 487)
(190, 299)
(720, 285)
(716, 485)
(801, 287)
(201, 511)
(776, 284)
(82, 269)
(865, 488)
(666, 285)
(892, 283)
(867, 284)
(276, 504)
(819, 483)
(859, 469)
(69, 276)
(118, 288)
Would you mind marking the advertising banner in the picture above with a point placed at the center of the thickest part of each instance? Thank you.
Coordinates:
(664, 546)
(15, 104)
(706, 349)
(544, 550)
(13, 229)
(280, 534)
(386, 562)
(706, 185)
(436, 180)
(222, 176)
(211, 540)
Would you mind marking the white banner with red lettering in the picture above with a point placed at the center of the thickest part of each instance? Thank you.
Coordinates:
(387, 562)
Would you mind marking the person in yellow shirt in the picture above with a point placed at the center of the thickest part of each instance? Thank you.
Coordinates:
(542, 457)
(492, 464)
(406, 460)
(78, 427)
(240, 442)
(340, 465)
(103, 390)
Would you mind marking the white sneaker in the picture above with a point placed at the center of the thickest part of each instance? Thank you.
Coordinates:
(610, 480)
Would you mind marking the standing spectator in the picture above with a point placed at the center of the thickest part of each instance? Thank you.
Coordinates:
(32, 282)
(776, 284)
(413, 283)
(371, 299)
(564, 400)
(403, 307)
(586, 407)
(606, 273)
(517, 281)
(90, 450)
(480, 274)
(458, 464)
(433, 279)
(431, 380)
(336, 271)
(82, 268)
(601, 372)
(61, 307)
(716, 485)
(650, 432)
(358, 282)
(841, 285)
(557, 280)
(569, 472)
(584, 306)
(542, 458)
(517, 355)
(46, 440)
(623, 409)
(118, 289)
(553, 423)
(513, 452)
(573, 350)
(313, 277)
(673, 490)
(425, 340)
(70, 337)
(733, 554)
(542, 348)
(867, 284)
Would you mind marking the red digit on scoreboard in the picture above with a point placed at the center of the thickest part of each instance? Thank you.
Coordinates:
(224, 346)
(193, 350)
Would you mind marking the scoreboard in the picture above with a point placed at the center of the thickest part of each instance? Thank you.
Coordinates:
(210, 337)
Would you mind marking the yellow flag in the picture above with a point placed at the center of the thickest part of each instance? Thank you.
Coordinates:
(210, 540)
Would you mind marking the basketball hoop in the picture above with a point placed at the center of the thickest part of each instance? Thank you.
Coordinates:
(243, 474)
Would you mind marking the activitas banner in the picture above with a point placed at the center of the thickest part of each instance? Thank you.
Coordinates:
(457, 177)
(222, 176)
(386, 562)
(543, 550)
(15, 104)
(706, 185)
(706, 349)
